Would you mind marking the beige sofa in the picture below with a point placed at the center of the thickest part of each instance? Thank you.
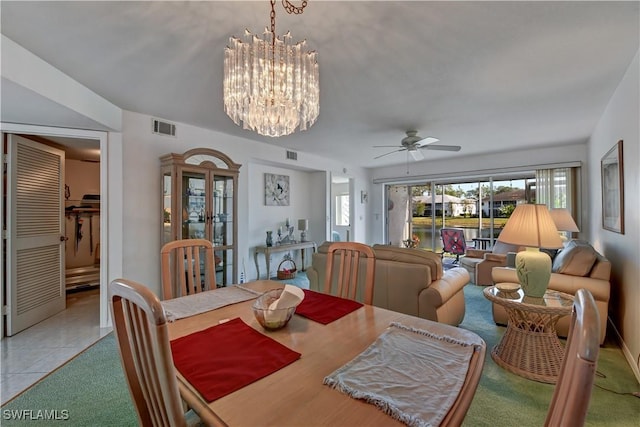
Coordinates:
(577, 266)
(409, 281)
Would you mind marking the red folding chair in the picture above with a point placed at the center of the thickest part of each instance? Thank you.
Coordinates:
(453, 242)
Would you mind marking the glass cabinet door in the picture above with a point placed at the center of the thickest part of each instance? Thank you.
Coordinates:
(223, 226)
(222, 211)
(167, 201)
(193, 205)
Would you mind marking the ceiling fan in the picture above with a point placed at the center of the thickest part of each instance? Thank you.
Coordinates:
(414, 144)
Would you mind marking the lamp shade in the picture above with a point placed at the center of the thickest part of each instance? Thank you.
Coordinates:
(563, 220)
(303, 224)
(531, 226)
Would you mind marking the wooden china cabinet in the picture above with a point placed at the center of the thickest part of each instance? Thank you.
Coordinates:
(199, 201)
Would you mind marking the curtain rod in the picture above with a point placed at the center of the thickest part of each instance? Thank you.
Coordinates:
(480, 173)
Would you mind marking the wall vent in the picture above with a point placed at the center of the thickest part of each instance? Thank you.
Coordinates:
(292, 155)
(163, 128)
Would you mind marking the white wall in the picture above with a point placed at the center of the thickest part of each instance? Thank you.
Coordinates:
(141, 192)
(620, 122)
(84, 108)
(481, 165)
(262, 218)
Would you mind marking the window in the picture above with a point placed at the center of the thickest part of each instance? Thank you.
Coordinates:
(480, 205)
(342, 210)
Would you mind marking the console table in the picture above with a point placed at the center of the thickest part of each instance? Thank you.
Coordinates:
(268, 250)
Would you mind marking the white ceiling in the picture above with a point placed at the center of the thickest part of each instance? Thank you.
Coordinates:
(483, 75)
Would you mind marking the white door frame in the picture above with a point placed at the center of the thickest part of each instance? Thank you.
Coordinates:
(104, 193)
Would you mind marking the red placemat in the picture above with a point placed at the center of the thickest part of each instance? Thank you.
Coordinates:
(324, 308)
(226, 357)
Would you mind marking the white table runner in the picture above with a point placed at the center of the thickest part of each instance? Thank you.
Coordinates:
(193, 304)
(410, 374)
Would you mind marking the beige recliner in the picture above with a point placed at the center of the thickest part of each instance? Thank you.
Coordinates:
(480, 262)
(409, 281)
(577, 266)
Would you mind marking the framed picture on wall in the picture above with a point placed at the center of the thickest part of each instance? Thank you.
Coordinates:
(613, 189)
(276, 190)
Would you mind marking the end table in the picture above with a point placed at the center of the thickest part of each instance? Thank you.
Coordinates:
(530, 346)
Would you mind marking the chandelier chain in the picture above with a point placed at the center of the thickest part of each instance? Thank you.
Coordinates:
(273, 48)
(291, 8)
(273, 18)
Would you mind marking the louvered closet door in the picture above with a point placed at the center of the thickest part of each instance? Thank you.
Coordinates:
(35, 251)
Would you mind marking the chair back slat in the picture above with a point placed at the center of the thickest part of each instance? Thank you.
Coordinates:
(140, 327)
(571, 396)
(187, 267)
(350, 256)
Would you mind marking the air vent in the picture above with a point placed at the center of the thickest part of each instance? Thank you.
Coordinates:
(292, 155)
(163, 128)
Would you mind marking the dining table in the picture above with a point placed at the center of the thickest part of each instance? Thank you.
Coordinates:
(295, 395)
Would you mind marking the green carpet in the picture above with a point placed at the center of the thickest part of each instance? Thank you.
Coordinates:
(505, 399)
(91, 387)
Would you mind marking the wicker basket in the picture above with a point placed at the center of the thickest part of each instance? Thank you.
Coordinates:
(289, 273)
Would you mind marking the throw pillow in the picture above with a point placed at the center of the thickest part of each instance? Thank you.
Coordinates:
(575, 260)
(503, 248)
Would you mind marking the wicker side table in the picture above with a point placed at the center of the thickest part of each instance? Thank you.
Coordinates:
(530, 346)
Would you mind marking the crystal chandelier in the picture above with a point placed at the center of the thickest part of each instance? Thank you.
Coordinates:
(270, 84)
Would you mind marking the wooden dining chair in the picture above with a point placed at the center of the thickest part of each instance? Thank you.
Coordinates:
(140, 327)
(347, 270)
(187, 267)
(571, 396)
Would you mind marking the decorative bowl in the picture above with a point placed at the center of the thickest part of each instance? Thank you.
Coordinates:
(272, 319)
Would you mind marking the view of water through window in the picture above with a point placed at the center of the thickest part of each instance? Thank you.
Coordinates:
(475, 207)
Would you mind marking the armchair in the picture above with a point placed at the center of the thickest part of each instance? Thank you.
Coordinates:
(479, 262)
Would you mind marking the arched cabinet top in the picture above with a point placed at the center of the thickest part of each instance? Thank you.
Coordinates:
(205, 157)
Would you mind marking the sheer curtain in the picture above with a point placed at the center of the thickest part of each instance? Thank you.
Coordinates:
(556, 188)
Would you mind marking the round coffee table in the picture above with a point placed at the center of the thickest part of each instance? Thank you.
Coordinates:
(530, 346)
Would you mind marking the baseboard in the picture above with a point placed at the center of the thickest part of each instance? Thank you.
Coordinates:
(625, 350)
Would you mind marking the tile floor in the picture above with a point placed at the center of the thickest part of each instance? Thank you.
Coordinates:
(31, 354)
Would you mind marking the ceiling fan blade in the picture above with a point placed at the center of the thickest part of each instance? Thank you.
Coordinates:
(390, 152)
(427, 140)
(417, 155)
(387, 146)
(441, 147)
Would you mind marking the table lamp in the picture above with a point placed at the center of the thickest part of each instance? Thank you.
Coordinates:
(532, 226)
(303, 226)
(564, 222)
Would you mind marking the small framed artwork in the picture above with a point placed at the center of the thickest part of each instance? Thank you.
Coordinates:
(276, 190)
(613, 189)
(364, 197)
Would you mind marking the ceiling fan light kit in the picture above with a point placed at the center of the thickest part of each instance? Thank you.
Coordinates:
(271, 85)
(416, 154)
